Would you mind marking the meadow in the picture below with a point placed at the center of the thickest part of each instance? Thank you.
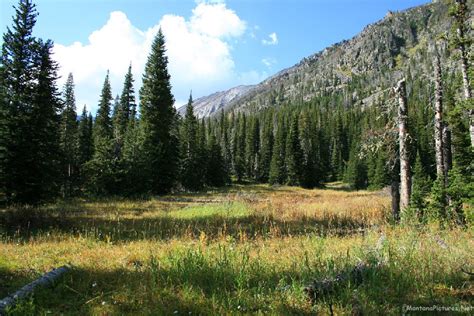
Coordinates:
(246, 249)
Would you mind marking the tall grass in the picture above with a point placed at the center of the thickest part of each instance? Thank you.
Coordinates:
(244, 250)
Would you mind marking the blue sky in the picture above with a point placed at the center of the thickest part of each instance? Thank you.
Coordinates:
(212, 45)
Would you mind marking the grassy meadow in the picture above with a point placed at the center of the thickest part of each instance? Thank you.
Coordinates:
(241, 250)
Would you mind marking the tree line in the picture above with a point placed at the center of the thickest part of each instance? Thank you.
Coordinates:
(132, 149)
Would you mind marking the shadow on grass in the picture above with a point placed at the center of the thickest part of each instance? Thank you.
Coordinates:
(202, 284)
(209, 290)
(22, 225)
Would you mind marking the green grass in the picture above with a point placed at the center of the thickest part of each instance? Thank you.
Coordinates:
(243, 250)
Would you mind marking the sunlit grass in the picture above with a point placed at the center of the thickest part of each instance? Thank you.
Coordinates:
(247, 249)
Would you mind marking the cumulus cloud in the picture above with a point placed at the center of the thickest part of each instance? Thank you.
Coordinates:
(272, 39)
(198, 50)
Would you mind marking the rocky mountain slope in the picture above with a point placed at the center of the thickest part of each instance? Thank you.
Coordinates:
(401, 44)
(213, 103)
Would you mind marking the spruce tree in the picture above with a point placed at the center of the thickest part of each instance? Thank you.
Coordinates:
(86, 145)
(29, 113)
(277, 174)
(356, 172)
(45, 123)
(158, 119)
(293, 154)
(216, 174)
(100, 169)
(266, 147)
(420, 190)
(191, 178)
(126, 108)
(69, 138)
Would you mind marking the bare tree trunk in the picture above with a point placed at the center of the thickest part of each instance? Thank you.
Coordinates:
(465, 78)
(438, 134)
(464, 69)
(405, 181)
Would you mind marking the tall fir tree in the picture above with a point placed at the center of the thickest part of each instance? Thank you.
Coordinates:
(45, 125)
(29, 113)
(69, 139)
(126, 108)
(191, 178)
(100, 169)
(294, 155)
(86, 144)
(216, 173)
(159, 121)
(277, 173)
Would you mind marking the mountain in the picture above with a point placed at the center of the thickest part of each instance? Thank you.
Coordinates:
(397, 45)
(211, 104)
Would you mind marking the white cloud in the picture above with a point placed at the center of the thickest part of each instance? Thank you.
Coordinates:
(273, 39)
(269, 61)
(198, 50)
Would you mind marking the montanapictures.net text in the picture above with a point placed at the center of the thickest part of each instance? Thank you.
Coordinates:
(437, 308)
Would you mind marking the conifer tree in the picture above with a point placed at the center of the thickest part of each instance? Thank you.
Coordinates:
(158, 119)
(125, 110)
(240, 130)
(45, 124)
(86, 145)
(266, 147)
(69, 138)
(420, 190)
(100, 169)
(356, 172)
(277, 174)
(191, 178)
(293, 154)
(29, 139)
(216, 174)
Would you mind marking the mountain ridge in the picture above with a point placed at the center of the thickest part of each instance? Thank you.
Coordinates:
(377, 56)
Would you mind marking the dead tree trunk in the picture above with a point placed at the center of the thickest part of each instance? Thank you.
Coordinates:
(462, 17)
(438, 133)
(46, 280)
(405, 183)
(464, 66)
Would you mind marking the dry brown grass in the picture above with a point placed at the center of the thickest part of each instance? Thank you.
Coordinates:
(246, 249)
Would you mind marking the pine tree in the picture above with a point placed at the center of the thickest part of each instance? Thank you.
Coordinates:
(381, 176)
(252, 148)
(293, 155)
(126, 108)
(100, 169)
(311, 176)
(277, 174)
(190, 164)
(225, 143)
(266, 149)
(420, 190)
(45, 124)
(86, 145)
(460, 191)
(103, 122)
(437, 201)
(158, 119)
(69, 138)
(29, 113)
(239, 142)
(356, 172)
(216, 175)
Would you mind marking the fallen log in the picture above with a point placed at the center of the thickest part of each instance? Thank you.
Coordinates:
(319, 289)
(47, 279)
